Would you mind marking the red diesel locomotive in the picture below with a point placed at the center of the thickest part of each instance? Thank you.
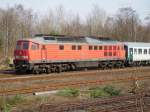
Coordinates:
(45, 53)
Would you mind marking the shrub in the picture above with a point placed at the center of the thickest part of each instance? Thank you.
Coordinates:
(7, 61)
(69, 92)
(7, 108)
(106, 91)
(112, 90)
(98, 93)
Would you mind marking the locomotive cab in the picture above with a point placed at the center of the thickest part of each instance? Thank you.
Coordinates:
(21, 51)
(21, 55)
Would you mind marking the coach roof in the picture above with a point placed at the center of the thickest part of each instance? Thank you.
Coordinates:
(137, 44)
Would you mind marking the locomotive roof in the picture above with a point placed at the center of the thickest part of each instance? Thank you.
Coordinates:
(137, 44)
(67, 39)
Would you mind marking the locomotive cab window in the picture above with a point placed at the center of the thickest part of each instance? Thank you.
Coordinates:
(25, 45)
(35, 46)
(18, 47)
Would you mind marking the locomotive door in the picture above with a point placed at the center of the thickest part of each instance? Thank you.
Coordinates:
(43, 54)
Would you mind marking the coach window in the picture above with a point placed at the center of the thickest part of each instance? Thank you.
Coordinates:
(135, 51)
(90, 47)
(73, 47)
(79, 47)
(149, 51)
(139, 51)
(95, 47)
(100, 47)
(61, 47)
(145, 51)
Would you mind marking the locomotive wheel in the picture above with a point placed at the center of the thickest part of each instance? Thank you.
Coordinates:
(117, 65)
(110, 65)
(72, 67)
(103, 65)
(28, 71)
(36, 72)
(48, 71)
(120, 64)
(58, 69)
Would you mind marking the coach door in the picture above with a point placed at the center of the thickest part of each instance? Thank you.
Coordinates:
(131, 54)
(43, 54)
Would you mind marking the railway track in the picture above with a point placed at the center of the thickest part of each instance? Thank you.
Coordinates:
(72, 74)
(129, 103)
(55, 86)
(75, 79)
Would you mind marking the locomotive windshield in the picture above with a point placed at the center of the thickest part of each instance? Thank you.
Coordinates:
(22, 45)
(25, 45)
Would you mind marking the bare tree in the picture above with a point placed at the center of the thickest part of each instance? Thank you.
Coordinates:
(18, 22)
(126, 24)
(95, 21)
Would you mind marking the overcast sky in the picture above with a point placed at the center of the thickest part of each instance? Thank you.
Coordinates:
(82, 7)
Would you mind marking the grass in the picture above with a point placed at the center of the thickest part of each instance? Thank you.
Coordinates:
(112, 91)
(6, 103)
(68, 92)
(42, 99)
(107, 91)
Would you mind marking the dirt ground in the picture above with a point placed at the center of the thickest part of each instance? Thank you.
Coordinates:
(31, 103)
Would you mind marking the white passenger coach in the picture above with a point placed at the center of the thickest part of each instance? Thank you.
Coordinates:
(137, 53)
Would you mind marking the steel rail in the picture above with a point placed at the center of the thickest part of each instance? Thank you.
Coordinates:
(55, 86)
(65, 75)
